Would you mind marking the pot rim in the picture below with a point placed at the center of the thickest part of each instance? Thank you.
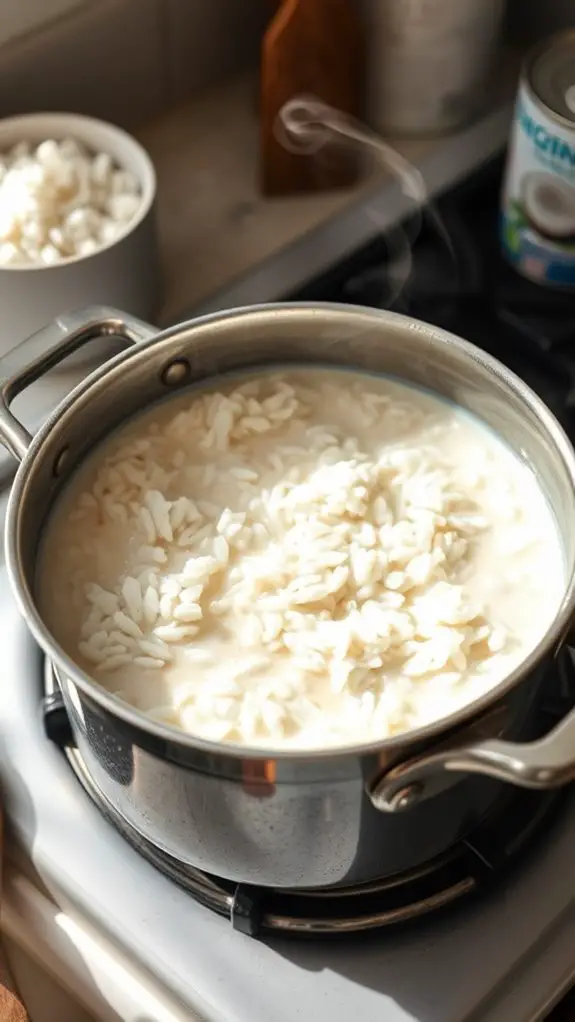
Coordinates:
(170, 734)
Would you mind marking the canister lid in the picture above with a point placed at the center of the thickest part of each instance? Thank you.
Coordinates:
(551, 74)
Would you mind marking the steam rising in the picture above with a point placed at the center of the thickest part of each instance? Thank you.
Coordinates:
(305, 125)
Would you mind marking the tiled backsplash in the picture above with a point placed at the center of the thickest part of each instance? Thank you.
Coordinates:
(123, 60)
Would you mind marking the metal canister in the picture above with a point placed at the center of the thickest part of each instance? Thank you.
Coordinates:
(538, 201)
(428, 62)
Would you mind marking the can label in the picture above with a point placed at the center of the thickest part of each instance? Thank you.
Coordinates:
(538, 202)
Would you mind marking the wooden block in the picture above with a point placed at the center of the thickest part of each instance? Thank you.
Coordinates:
(312, 47)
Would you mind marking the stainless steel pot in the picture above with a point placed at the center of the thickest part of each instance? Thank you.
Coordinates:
(288, 818)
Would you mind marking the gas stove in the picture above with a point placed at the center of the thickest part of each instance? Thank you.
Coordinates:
(499, 947)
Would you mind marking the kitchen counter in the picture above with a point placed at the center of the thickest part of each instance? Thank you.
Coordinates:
(214, 225)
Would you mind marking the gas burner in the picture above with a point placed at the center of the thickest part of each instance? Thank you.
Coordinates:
(470, 867)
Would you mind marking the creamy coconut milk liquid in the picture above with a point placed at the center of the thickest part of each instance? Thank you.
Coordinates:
(285, 484)
(538, 204)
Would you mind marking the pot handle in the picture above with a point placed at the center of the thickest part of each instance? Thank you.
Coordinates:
(50, 346)
(547, 763)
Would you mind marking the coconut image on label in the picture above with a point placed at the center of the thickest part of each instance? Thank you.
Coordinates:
(537, 222)
(548, 206)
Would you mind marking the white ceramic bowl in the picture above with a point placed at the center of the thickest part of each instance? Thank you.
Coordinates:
(123, 274)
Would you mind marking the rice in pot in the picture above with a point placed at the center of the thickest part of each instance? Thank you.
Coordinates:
(306, 558)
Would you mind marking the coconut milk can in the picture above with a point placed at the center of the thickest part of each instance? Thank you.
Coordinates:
(538, 202)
